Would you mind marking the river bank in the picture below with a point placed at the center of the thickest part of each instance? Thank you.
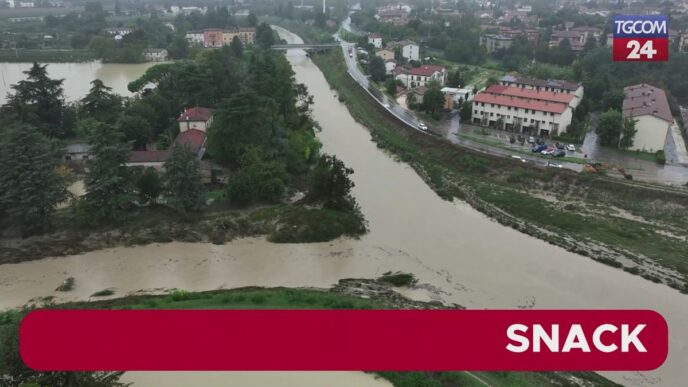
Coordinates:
(633, 227)
(286, 223)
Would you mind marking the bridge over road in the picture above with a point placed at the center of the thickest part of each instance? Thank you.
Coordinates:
(321, 46)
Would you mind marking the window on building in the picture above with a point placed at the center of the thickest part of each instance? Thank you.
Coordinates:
(491, 114)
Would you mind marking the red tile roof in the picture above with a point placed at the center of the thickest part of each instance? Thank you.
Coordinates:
(543, 106)
(540, 95)
(196, 114)
(192, 138)
(426, 70)
(644, 99)
(149, 156)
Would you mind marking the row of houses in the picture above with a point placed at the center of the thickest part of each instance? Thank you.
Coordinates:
(526, 105)
(215, 37)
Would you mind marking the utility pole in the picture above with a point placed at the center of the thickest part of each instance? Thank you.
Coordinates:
(324, 7)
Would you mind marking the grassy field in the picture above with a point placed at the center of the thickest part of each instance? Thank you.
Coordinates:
(283, 298)
(635, 222)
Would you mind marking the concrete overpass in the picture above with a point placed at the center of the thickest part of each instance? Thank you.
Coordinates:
(322, 46)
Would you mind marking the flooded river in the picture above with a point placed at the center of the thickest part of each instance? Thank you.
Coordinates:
(461, 255)
(77, 76)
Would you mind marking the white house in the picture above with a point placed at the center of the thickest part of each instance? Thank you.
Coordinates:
(420, 76)
(459, 95)
(155, 54)
(390, 65)
(648, 105)
(409, 49)
(195, 37)
(375, 40)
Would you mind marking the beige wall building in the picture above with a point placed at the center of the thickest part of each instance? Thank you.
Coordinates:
(523, 110)
(648, 105)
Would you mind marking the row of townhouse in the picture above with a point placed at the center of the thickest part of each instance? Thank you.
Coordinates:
(215, 37)
(553, 85)
(524, 110)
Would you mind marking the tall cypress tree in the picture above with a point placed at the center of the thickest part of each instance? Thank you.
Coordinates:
(39, 101)
(109, 189)
(183, 186)
(30, 185)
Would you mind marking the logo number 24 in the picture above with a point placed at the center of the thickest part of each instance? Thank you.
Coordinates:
(637, 51)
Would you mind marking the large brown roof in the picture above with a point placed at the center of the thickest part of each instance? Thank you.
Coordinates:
(644, 99)
(539, 95)
(524, 103)
(196, 114)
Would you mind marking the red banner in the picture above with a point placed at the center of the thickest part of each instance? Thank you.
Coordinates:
(368, 340)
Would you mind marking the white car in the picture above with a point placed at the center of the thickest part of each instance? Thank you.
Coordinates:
(548, 151)
(519, 158)
(571, 148)
(422, 126)
(387, 106)
(554, 165)
(531, 140)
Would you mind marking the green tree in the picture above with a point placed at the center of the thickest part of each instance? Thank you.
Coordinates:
(252, 20)
(265, 37)
(31, 185)
(183, 187)
(466, 112)
(376, 69)
(39, 101)
(237, 47)
(609, 127)
(149, 186)
(258, 179)
(240, 121)
(628, 132)
(178, 48)
(433, 100)
(330, 182)
(391, 86)
(108, 182)
(100, 103)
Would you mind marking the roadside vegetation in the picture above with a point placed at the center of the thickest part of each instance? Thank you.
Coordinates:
(630, 225)
(348, 294)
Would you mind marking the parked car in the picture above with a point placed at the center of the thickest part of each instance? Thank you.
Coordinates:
(571, 148)
(386, 106)
(540, 141)
(531, 140)
(554, 165)
(548, 151)
(559, 145)
(539, 148)
(559, 153)
(422, 126)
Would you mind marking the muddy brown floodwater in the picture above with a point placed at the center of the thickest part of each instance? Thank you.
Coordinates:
(461, 255)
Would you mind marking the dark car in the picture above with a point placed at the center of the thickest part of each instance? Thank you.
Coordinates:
(559, 145)
(539, 148)
(559, 153)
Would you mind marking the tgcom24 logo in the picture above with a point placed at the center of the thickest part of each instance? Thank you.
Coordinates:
(640, 38)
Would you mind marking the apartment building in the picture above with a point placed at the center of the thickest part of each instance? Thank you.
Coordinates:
(523, 110)
(420, 76)
(494, 42)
